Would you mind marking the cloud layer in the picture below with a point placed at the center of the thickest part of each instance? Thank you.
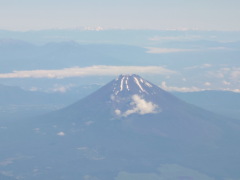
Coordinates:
(159, 50)
(180, 89)
(156, 50)
(87, 71)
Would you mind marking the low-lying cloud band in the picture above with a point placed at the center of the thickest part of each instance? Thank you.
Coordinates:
(88, 71)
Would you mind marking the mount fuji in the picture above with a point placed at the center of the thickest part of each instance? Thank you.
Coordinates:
(142, 106)
(128, 129)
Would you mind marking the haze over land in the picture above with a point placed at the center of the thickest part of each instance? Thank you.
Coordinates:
(119, 90)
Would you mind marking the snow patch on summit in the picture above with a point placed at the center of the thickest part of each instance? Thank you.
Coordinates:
(139, 85)
(121, 86)
(148, 84)
(131, 83)
(126, 82)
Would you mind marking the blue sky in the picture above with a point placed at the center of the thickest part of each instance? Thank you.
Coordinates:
(126, 14)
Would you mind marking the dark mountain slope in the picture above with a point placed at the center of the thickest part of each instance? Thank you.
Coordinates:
(222, 102)
(145, 107)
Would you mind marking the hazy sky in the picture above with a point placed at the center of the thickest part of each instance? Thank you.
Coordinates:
(133, 14)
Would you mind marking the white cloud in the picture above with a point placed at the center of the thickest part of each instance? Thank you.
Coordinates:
(99, 28)
(88, 71)
(88, 123)
(232, 90)
(207, 84)
(34, 89)
(83, 148)
(206, 66)
(232, 74)
(226, 83)
(236, 90)
(156, 50)
(37, 130)
(118, 112)
(220, 73)
(62, 88)
(174, 38)
(61, 134)
(7, 162)
(11, 160)
(203, 66)
(219, 48)
(35, 170)
(7, 173)
(160, 50)
(139, 106)
(235, 74)
(180, 89)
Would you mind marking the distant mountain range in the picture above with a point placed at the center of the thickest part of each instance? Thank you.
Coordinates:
(17, 102)
(128, 129)
(192, 60)
(222, 102)
(21, 55)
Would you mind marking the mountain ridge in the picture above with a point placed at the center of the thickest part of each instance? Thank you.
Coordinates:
(130, 97)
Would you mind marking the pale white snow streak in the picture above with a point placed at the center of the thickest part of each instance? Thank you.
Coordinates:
(139, 85)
